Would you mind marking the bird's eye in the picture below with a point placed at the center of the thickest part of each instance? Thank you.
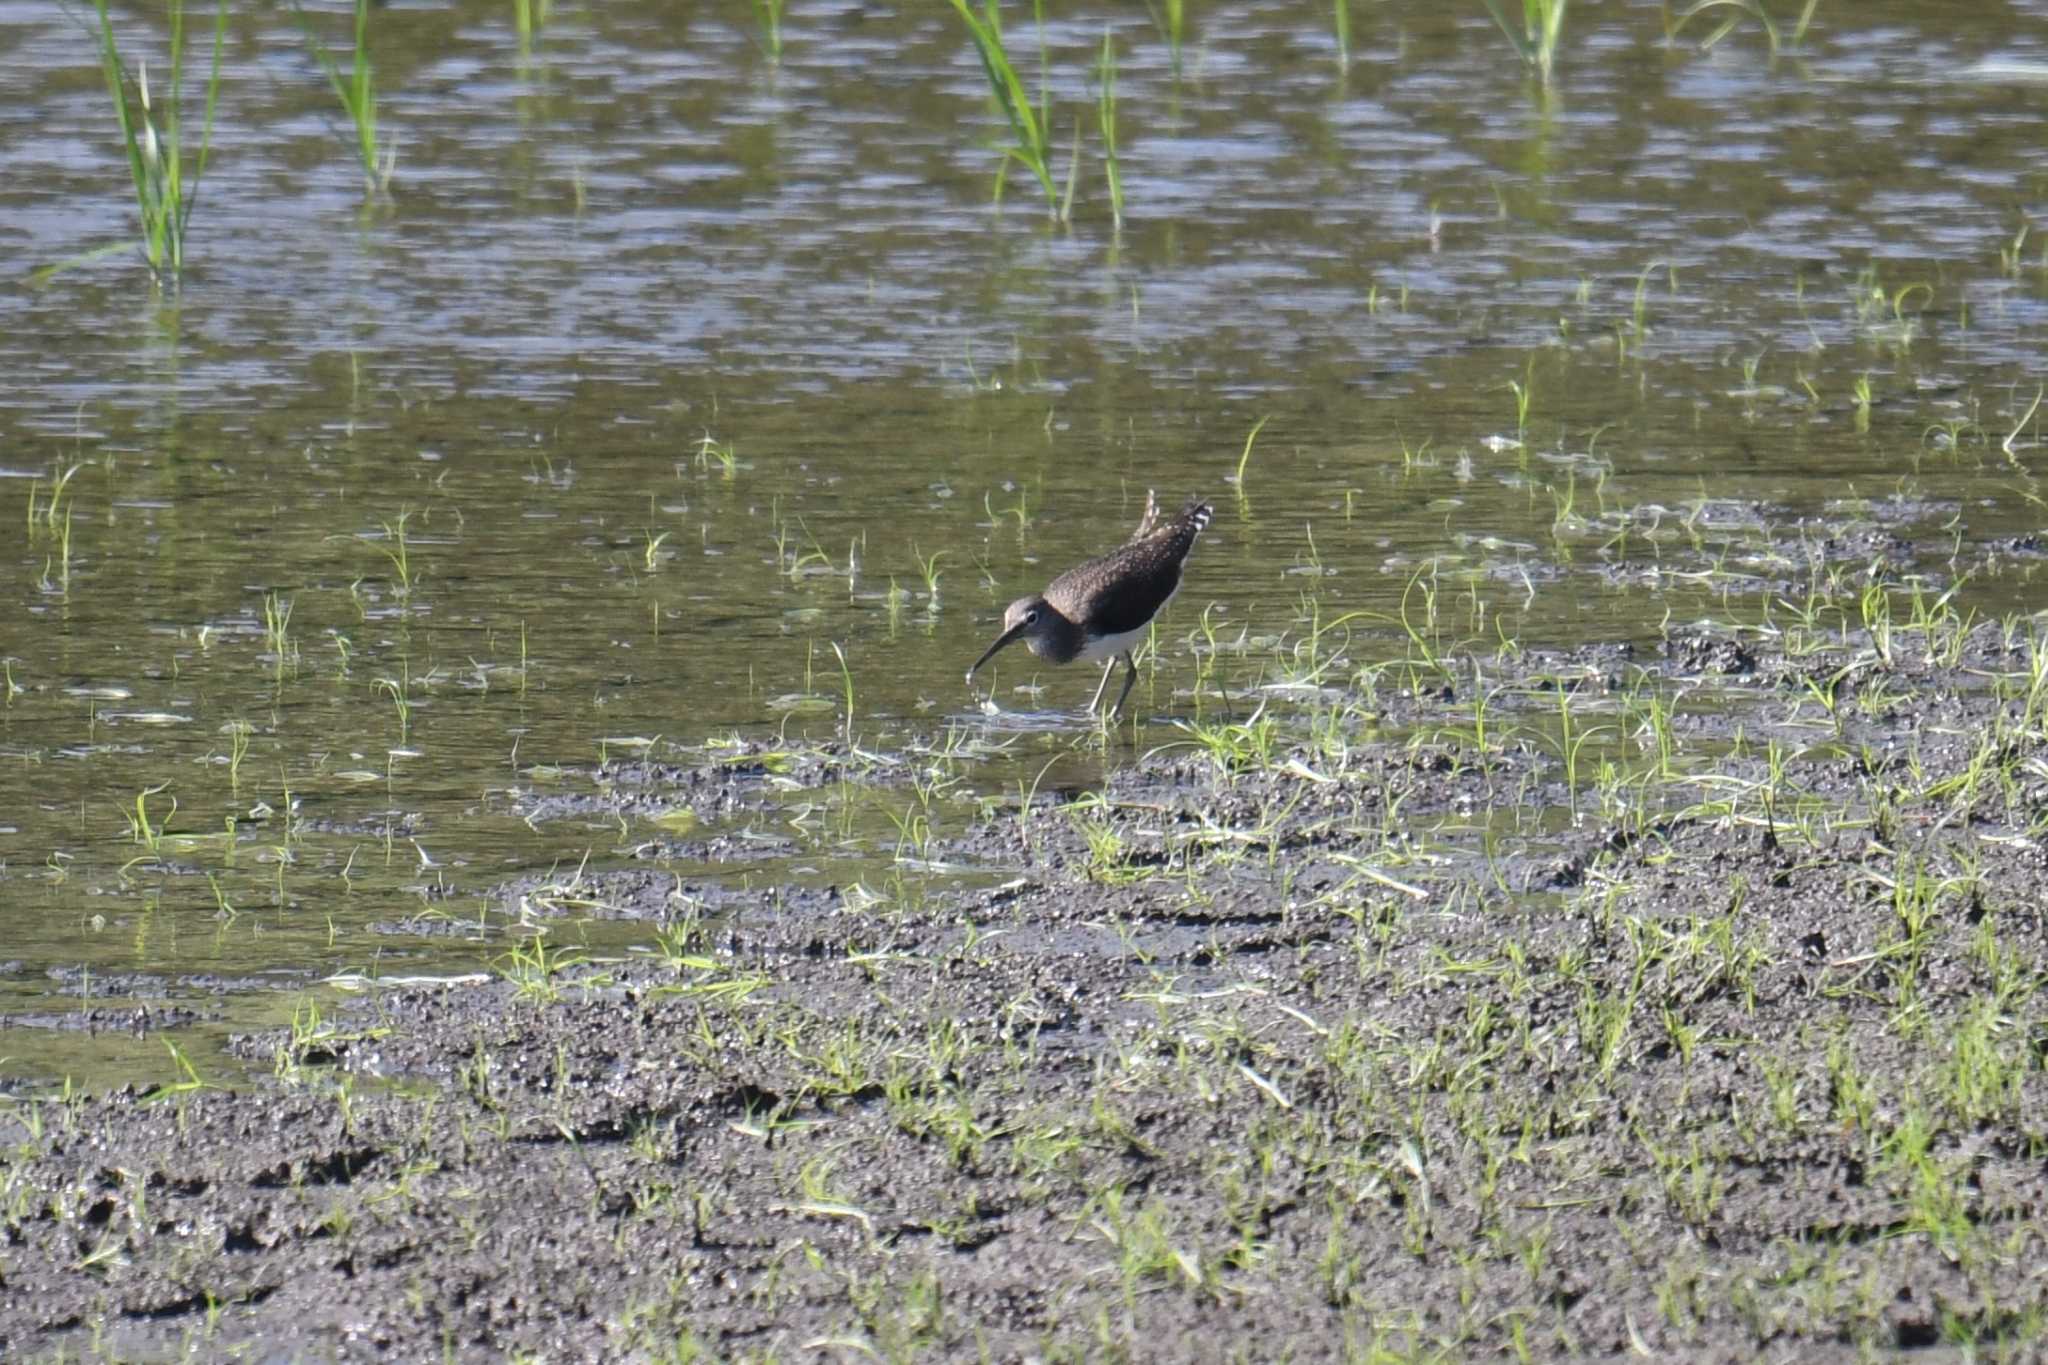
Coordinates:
(1031, 617)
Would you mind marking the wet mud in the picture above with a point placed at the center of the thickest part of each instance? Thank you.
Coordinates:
(1400, 1038)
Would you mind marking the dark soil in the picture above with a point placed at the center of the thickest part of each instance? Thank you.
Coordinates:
(1290, 1051)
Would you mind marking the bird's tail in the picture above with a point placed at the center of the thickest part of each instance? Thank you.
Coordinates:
(1181, 531)
(1192, 521)
(1148, 523)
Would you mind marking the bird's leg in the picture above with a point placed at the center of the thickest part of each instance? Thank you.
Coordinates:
(1130, 681)
(1103, 686)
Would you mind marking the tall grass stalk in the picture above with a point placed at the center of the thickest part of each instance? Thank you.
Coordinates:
(357, 90)
(1341, 17)
(1105, 118)
(1031, 135)
(164, 191)
(1536, 37)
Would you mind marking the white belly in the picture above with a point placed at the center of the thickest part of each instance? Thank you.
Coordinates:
(1109, 646)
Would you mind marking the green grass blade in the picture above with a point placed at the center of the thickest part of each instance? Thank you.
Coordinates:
(1805, 18)
(1246, 458)
(1535, 39)
(110, 67)
(363, 81)
(768, 14)
(41, 275)
(171, 200)
(1105, 115)
(1552, 30)
(1066, 212)
(1044, 68)
(220, 34)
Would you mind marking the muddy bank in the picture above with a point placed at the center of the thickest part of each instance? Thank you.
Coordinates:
(1298, 1044)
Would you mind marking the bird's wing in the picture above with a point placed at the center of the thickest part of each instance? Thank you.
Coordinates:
(1146, 571)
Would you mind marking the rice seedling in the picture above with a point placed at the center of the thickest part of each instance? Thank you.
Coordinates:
(1341, 25)
(1021, 513)
(794, 558)
(1524, 393)
(141, 829)
(188, 1083)
(1639, 308)
(61, 582)
(913, 833)
(1105, 122)
(768, 13)
(1172, 23)
(44, 515)
(165, 192)
(400, 554)
(928, 568)
(1248, 746)
(535, 972)
(846, 680)
(2009, 256)
(722, 454)
(1065, 212)
(1031, 145)
(358, 94)
(395, 689)
(2010, 437)
(277, 640)
(1535, 40)
(1737, 11)
(1244, 460)
(238, 733)
(528, 18)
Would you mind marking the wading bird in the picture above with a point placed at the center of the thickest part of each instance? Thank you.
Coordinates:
(1101, 609)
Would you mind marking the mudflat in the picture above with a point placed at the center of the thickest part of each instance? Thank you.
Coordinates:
(1264, 1052)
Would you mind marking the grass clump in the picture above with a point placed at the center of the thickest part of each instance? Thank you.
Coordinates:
(152, 134)
(1030, 125)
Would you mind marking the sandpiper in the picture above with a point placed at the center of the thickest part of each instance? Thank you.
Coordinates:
(1101, 609)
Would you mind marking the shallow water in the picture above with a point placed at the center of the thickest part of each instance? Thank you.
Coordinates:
(641, 248)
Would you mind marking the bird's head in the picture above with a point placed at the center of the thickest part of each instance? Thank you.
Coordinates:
(1029, 619)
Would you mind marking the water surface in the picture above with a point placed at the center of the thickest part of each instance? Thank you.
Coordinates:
(667, 368)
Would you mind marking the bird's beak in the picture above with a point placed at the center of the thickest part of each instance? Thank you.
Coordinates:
(1005, 638)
